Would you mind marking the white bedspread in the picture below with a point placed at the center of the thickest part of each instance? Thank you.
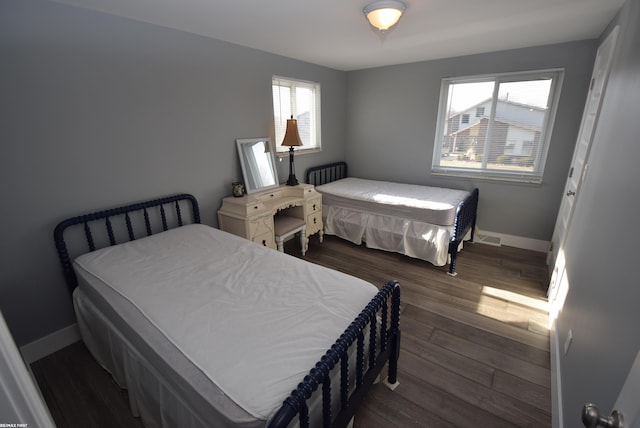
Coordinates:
(433, 205)
(405, 218)
(252, 319)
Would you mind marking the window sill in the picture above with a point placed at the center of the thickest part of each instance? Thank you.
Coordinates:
(298, 152)
(488, 176)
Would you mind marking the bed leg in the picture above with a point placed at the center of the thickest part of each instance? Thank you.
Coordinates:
(391, 381)
(391, 386)
(394, 352)
(453, 254)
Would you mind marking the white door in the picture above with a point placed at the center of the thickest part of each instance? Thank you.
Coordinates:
(628, 411)
(627, 402)
(579, 163)
(20, 401)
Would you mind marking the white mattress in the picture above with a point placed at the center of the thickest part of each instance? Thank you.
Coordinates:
(251, 320)
(405, 218)
(432, 205)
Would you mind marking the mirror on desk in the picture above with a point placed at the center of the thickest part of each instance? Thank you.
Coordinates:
(258, 161)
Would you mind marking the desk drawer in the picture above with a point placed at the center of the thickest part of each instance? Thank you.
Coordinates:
(273, 195)
(314, 223)
(265, 239)
(314, 206)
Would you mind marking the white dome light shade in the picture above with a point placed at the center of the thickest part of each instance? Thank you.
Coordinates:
(384, 14)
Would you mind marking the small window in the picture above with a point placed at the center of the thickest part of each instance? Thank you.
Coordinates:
(300, 99)
(509, 137)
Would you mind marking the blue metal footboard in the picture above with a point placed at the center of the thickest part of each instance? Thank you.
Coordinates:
(465, 220)
(383, 347)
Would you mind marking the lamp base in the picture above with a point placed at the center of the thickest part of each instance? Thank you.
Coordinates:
(292, 181)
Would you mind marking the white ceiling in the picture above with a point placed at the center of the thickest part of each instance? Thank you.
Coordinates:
(335, 33)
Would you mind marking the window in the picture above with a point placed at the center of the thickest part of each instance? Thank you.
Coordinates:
(508, 138)
(302, 100)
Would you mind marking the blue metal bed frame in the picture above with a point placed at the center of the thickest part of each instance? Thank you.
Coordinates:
(381, 317)
(466, 213)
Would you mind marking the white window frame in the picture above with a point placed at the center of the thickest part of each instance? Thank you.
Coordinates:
(311, 142)
(483, 172)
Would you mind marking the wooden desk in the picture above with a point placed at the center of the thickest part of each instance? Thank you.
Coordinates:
(251, 216)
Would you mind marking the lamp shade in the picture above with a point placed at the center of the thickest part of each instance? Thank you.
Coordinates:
(291, 135)
(384, 14)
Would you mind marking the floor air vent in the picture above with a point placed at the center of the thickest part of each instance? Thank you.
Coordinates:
(481, 238)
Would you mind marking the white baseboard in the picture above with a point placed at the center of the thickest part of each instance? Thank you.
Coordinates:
(556, 387)
(497, 239)
(47, 345)
(525, 243)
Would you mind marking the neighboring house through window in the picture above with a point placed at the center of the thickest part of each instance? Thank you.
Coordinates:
(302, 100)
(508, 138)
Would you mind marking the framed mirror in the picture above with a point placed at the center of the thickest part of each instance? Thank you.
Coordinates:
(258, 162)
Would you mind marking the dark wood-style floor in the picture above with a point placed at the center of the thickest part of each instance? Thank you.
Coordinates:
(474, 352)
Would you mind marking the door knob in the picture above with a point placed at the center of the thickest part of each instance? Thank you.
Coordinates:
(591, 418)
(571, 193)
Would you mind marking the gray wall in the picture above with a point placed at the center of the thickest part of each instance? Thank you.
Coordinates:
(392, 115)
(602, 245)
(97, 110)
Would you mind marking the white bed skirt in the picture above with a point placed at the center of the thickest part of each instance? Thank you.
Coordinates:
(409, 237)
(155, 397)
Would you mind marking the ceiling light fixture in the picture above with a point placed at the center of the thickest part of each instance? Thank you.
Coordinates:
(384, 14)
